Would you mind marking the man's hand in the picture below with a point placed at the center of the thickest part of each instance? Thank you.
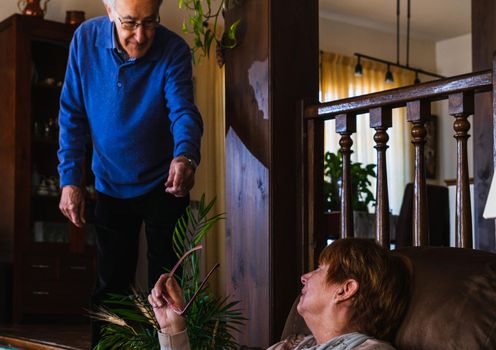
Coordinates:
(72, 205)
(167, 288)
(181, 177)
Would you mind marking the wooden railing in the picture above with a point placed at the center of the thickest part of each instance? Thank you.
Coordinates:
(458, 90)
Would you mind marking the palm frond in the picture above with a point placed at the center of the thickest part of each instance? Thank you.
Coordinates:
(211, 321)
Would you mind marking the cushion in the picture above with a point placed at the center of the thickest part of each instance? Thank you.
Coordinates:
(453, 303)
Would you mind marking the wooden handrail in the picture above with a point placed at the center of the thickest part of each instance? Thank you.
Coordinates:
(458, 90)
(432, 90)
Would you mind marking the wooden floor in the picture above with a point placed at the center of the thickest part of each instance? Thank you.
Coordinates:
(46, 336)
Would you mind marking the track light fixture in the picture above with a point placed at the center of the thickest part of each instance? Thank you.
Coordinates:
(358, 68)
(389, 74)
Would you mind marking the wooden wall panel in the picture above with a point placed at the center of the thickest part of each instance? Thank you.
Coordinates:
(272, 69)
(247, 83)
(7, 144)
(294, 66)
(247, 238)
(247, 179)
(483, 46)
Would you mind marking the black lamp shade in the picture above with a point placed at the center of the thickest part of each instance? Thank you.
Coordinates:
(358, 70)
(389, 77)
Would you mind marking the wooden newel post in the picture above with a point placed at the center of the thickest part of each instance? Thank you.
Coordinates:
(461, 106)
(381, 120)
(313, 241)
(346, 126)
(417, 113)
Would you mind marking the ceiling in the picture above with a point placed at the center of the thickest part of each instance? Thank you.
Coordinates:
(432, 20)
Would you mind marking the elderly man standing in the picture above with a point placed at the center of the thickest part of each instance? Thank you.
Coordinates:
(128, 87)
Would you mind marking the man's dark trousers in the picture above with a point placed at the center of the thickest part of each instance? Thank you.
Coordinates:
(118, 223)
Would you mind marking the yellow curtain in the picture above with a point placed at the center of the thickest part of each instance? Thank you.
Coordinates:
(210, 176)
(338, 81)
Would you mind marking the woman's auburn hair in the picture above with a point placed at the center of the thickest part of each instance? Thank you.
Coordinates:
(383, 294)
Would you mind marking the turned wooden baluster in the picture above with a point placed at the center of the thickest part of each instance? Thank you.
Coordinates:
(461, 106)
(381, 120)
(346, 126)
(417, 112)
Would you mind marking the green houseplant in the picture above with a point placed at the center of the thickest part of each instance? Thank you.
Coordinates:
(211, 320)
(361, 196)
(203, 24)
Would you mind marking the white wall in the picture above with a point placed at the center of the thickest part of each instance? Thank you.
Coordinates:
(344, 38)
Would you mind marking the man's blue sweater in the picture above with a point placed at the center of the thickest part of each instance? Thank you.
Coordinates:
(139, 113)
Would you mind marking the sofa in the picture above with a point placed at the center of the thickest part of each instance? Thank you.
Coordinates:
(452, 305)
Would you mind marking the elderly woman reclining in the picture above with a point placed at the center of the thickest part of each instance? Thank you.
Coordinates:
(355, 299)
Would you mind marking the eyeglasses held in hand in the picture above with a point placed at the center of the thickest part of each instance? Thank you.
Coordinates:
(170, 303)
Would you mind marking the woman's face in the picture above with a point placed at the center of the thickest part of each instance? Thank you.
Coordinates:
(316, 293)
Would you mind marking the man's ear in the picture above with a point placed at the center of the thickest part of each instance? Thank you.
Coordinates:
(346, 290)
(110, 13)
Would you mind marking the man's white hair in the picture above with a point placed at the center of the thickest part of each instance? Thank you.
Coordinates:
(111, 3)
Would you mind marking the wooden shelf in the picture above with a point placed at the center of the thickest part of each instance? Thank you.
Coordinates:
(31, 222)
(46, 140)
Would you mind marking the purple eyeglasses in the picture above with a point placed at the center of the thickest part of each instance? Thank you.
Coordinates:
(170, 303)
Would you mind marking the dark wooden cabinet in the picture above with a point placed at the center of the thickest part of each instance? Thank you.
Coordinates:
(52, 261)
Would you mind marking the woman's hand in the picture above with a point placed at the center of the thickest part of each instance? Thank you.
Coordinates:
(166, 296)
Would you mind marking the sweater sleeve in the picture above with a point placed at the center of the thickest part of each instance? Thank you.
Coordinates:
(186, 122)
(73, 122)
(178, 341)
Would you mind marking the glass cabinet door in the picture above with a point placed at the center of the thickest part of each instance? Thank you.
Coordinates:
(48, 65)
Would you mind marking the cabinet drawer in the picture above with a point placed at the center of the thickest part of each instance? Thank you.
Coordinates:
(55, 299)
(75, 268)
(40, 298)
(41, 270)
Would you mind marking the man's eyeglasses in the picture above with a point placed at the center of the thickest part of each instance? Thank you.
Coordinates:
(202, 284)
(131, 24)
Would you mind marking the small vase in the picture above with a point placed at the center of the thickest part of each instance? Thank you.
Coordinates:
(74, 18)
(32, 7)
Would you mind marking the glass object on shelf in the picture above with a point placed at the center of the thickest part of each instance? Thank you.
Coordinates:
(42, 189)
(34, 73)
(50, 232)
(51, 128)
(36, 129)
(90, 234)
(38, 231)
(47, 186)
(53, 186)
(35, 178)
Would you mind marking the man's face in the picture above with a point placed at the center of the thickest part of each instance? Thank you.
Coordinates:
(136, 41)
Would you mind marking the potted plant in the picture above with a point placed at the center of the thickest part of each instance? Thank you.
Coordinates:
(211, 320)
(361, 196)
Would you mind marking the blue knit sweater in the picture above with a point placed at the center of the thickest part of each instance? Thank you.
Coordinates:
(139, 113)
